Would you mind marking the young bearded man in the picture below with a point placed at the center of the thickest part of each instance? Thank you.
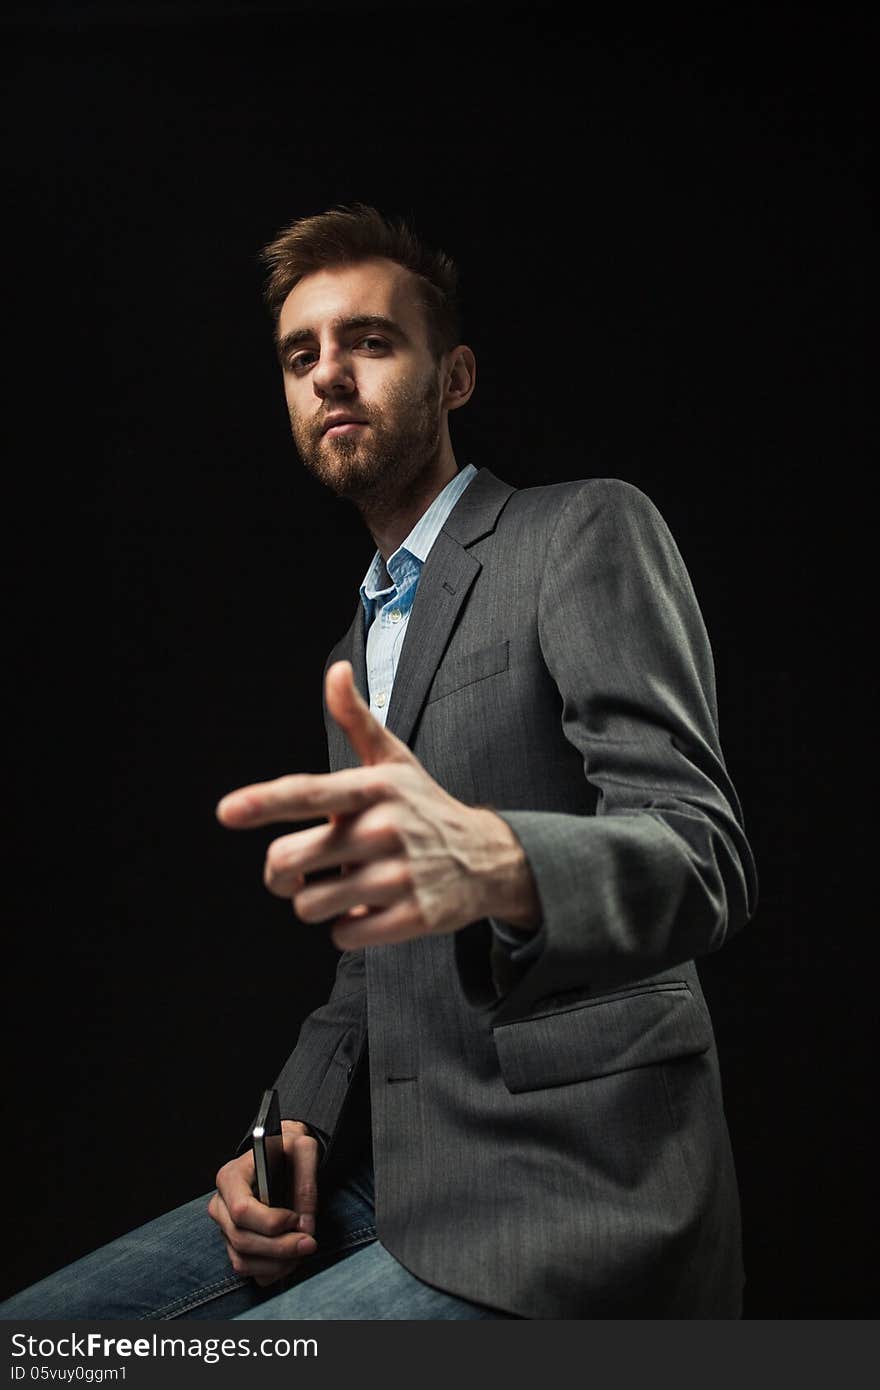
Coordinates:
(510, 1104)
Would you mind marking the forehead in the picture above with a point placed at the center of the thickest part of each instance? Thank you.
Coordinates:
(371, 287)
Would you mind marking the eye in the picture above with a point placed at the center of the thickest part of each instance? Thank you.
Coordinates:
(299, 362)
(372, 343)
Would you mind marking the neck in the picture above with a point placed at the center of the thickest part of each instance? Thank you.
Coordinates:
(389, 525)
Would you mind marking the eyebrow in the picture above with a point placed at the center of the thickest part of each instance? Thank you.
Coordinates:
(355, 321)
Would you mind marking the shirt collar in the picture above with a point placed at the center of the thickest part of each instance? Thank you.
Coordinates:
(414, 550)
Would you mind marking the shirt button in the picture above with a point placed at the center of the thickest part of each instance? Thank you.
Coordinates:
(381, 698)
(395, 615)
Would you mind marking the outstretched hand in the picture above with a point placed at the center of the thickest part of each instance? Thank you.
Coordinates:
(412, 859)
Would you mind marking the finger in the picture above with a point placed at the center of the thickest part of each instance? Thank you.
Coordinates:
(255, 1267)
(305, 1155)
(239, 1207)
(375, 885)
(235, 1230)
(340, 846)
(300, 796)
(372, 742)
(235, 1180)
(382, 927)
(290, 1246)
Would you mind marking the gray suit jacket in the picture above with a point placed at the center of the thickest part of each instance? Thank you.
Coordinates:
(558, 1149)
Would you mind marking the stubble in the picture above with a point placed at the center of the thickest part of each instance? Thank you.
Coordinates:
(381, 469)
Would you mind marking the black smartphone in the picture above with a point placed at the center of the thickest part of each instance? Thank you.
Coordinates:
(273, 1178)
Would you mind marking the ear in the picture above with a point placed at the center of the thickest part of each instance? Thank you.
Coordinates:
(460, 377)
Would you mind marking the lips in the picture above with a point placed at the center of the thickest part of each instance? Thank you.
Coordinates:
(342, 424)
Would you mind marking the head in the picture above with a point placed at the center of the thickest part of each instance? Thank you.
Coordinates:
(367, 331)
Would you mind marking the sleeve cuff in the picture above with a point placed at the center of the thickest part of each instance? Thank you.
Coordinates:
(512, 951)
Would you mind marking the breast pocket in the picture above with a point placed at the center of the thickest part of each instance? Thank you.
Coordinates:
(459, 671)
(601, 1037)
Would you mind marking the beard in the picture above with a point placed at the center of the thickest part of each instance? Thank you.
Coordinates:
(381, 470)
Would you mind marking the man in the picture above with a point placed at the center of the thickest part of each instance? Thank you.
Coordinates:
(510, 1104)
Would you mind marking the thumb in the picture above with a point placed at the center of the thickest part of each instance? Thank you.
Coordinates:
(372, 742)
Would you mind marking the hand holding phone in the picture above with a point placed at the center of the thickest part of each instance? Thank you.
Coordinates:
(283, 1233)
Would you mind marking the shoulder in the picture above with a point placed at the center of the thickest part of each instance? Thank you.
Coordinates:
(592, 524)
(601, 500)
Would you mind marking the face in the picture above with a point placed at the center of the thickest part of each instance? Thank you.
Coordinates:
(362, 386)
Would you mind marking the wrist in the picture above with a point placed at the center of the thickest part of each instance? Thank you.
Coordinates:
(506, 884)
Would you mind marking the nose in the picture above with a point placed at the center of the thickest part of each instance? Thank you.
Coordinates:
(332, 374)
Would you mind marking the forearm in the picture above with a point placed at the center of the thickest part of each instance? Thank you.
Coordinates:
(627, 895)
(314, 1080)
(661, 872)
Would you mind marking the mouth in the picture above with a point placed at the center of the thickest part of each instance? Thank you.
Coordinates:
(343, 424)
(350, 427)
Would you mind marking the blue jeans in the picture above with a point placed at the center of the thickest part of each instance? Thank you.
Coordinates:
(177, 1267)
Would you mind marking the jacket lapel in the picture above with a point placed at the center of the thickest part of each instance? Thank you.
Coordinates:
(446, 580)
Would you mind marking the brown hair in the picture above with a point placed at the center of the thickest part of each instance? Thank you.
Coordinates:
(346, 235)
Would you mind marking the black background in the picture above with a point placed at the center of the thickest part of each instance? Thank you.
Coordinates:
(662, 233)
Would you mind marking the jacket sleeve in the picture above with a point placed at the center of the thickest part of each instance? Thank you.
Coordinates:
(314, 1081)
(662, 873)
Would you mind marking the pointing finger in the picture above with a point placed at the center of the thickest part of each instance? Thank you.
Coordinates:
(301, 796)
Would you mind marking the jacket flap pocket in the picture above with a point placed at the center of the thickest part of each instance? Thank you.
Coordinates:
(602, 1037)
(458, 671)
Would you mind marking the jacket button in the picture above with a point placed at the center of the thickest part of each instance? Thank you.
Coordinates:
(350, 1073)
